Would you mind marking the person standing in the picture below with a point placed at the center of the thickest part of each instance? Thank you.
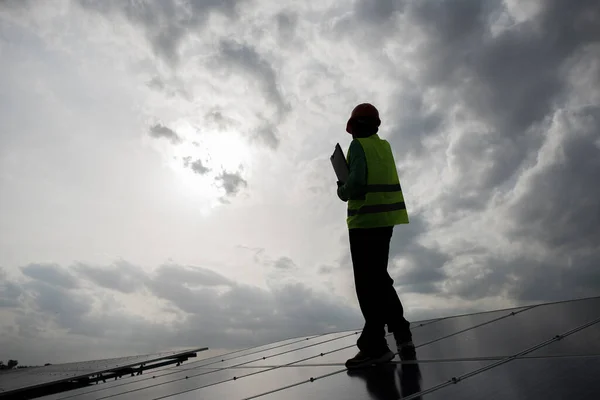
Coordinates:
(375, 205)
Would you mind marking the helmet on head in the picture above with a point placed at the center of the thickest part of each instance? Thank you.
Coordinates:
(366, 111)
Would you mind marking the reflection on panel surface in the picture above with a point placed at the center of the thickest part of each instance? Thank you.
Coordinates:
(249, 382)
(548, 379)
(584, 342)
(280, 352)
(304, 352)
(436, 330)
(384, 382)
(515, 333)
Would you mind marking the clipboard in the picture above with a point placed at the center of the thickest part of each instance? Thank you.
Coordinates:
(340, 166)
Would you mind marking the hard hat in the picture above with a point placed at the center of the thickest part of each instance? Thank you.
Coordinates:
(363, 110)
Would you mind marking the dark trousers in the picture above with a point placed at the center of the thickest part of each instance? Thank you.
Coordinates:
(377, 296)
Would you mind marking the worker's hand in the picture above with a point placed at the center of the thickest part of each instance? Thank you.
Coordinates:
(339, 194)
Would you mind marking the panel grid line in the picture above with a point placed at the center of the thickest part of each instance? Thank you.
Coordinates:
(452, 381)
(139, 360)
(173, 371)
(515, 356)
(267, 368)
(440, 360)
(421, 345)
(295, 363)
(187, 368)
(295, 384)
(336, 350)
(223, 368)
(477, 326)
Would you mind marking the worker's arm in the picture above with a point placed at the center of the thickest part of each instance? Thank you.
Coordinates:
(355, 187)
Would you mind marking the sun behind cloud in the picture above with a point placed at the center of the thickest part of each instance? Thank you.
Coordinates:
(211, 164)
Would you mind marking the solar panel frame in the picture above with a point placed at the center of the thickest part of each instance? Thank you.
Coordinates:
(127, 366)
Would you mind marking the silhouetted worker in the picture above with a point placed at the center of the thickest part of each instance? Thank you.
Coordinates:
(375, 206)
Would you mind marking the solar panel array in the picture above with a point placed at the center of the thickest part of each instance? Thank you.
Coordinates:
(549, 351)
(17, 381)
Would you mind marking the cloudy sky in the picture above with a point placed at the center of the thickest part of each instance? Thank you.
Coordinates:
(165, 180)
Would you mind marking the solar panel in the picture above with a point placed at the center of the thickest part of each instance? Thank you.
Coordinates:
(524, 379)
(392, 381)
(509, 335)
(128, 383)
(438, 331)
(524, 352)
(201, 372)
(548, 379)
(17, 381)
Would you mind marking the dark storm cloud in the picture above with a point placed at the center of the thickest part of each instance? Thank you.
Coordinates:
(267, 134)
(246, 60)
(509, 82)
(121, 276)
(530, 281)
(424, 271)
(156, 83)
(562, 207)
(170, 87)
(231, 182)
(559, 211)
(10, 292)
(219, 119)
(254, 316)
(196, 166)
(286, 26)
(555, 280)
(284, 263)
(195, 276)
(377, 11)
(508, 87)
(238, 316)
(164, 22)
(67, 308)
(52, 274)
(326, 269)
(161, 131)
(413, 121)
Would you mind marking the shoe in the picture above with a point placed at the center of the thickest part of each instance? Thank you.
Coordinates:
(406, 350)
(363, 359)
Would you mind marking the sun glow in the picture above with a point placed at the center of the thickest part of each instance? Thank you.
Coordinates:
(201, 160)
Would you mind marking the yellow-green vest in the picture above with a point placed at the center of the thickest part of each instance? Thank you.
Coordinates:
(383, 204)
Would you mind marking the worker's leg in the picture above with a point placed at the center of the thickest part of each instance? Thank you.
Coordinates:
(389, 305)
(366, 246)
(394, 317)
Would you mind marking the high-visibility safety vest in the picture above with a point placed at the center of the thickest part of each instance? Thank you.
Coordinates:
(383, 203)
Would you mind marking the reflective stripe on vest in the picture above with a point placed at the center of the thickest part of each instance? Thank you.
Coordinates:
(378, 208)
(383, 202)
(394, 187)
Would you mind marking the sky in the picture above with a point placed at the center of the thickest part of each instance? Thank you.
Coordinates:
(165, 177)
